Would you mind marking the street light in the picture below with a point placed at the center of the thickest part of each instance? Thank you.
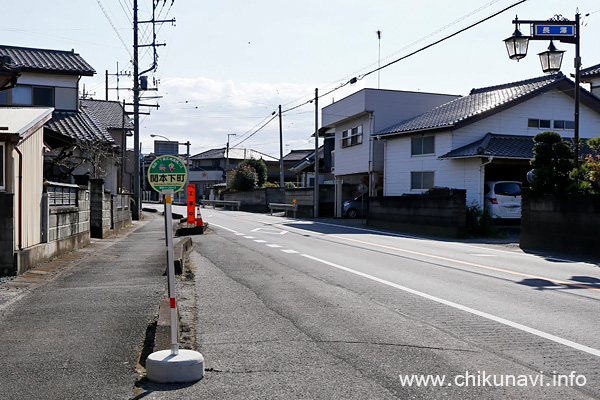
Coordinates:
(560, 29)
(551, 59)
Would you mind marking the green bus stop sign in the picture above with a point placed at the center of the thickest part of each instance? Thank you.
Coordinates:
(167, 173)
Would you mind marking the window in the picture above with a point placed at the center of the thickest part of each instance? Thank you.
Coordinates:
(422, 145)
(4, 97)
(2, 149)
(352, 137)
(560, 124)
(43, 96)
(21, 95)
(539, 123)
(33, 95)
(421, 180)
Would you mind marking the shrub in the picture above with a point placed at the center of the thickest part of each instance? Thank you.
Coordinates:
(587, 176)
(480, 221)
(259, 167)
(552, 163)
(244, 178)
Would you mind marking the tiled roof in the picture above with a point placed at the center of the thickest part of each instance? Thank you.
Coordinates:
(504, 146)
(477, 103)
(28, 59)
(297, 155)
(78, 126)
(593, 70)
(234, 154)
(108, 113)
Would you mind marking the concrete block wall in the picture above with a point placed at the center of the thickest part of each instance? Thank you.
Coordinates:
(121, 211)
(561, 224)
(100, 210)
(67, 221)
(440, 212)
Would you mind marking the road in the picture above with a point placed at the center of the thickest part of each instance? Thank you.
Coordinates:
(394, 306)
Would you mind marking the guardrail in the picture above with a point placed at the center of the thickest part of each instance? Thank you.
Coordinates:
(223, 203)
(284, 207)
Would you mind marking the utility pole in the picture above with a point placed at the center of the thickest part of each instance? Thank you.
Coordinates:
(136, 94)
(136, 118)
(281, 172)
(118, 74)
(316, 195)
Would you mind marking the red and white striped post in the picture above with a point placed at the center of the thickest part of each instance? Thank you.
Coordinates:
(171, 273)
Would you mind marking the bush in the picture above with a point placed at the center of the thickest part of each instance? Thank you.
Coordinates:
(552, 164)
(480, 221)
(260, 169)
(587, 176)
(244, 178)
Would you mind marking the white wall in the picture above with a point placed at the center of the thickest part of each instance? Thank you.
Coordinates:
(455, 174)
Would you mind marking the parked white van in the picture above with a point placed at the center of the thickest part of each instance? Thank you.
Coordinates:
(503, 199)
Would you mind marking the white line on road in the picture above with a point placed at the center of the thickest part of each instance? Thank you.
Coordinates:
(260, 241)
(482, 314)
(273, 245)
(290, 251)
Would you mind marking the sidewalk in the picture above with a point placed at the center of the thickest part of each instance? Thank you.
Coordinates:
(79, 333)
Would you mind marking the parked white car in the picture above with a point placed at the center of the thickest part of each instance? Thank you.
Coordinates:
(503, 199)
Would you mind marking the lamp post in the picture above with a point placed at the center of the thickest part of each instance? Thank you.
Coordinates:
(560, 29)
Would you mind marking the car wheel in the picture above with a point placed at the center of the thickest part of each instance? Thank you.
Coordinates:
(352, 213)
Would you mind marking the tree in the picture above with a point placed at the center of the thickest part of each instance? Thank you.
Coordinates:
(259, 167)
(244, 178)
(552, 163)
(587, 176)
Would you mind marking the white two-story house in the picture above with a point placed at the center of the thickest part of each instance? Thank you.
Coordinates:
(487, 135)
(352, 123)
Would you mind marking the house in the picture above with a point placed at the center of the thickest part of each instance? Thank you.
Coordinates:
(113, 118)
(79, 146)
(304, 168)
(349, 126)
(210, 167)
(21, 180)
(487, 135)
(48, 145)
(591, 75)
(292, 160)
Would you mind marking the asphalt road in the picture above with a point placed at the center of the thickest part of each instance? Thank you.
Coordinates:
(370, 310)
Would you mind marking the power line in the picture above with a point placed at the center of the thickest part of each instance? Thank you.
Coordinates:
(441, 40)
(114, 28)
(256, 131)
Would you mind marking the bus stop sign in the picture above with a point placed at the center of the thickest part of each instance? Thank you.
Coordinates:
(167, 173)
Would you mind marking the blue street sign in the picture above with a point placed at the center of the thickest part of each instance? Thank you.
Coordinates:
(554, 30)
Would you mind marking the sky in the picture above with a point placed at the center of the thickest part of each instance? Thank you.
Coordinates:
(225, 66)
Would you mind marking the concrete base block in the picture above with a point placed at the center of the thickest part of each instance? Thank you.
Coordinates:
(163, 367)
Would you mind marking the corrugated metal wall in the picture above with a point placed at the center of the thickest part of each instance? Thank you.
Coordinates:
(33, 178)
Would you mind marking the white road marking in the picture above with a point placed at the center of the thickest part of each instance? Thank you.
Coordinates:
(272, 231)
(482, 314)
(273, 245)
(290, 251)
(249, 237)
(260, 241)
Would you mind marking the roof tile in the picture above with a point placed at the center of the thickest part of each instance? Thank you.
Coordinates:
(67, 62)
